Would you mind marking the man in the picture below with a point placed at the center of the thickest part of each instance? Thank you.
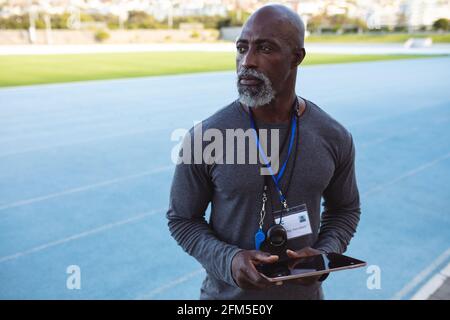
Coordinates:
(269, 51)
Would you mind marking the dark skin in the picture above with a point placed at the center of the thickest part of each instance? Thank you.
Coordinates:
(269, 45)
(244, 271)
(247, 277)
(263, 46)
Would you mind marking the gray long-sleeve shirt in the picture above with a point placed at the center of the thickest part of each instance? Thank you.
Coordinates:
(325, 167)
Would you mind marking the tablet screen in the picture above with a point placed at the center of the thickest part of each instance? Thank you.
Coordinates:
(312, 265)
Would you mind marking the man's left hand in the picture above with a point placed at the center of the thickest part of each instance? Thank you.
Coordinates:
(305, 252)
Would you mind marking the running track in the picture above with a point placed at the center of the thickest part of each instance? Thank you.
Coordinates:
(85, 172)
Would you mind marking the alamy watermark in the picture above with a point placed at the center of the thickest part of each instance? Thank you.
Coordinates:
(374, 279)
(226, 146)
(73, 281)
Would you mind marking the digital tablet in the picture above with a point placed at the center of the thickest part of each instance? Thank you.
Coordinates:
(308, 266)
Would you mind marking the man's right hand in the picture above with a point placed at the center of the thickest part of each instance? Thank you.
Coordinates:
(244, 272)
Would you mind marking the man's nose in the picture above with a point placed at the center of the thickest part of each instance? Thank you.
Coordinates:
(249, 59)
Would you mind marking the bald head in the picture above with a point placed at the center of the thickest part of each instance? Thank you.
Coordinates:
(269, 51)
(284, 23)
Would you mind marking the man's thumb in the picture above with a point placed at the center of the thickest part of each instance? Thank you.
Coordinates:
(264, 257)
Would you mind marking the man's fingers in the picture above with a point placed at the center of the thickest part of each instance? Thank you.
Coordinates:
(262, 257)
(244, 269)
(294, 254)
(305, 252)
(255, 277)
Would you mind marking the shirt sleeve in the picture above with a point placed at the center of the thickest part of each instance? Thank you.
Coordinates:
(341, 204)
(190, 194)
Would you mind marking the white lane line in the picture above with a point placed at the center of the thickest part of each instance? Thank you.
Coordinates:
(171, 284)
(422, 276)
(58, 145)
(83, 188)
(408, 174)
(375, 189)
(374, 119)
(79, 235)
(77, 142)
(384, 139)
(432, 285)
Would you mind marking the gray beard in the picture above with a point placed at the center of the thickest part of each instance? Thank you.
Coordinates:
(255, 96)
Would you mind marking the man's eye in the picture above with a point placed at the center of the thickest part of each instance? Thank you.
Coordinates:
(241, 49)
(266, 49)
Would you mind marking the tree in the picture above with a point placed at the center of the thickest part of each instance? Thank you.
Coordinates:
(335, 23)
(142, 20)
(441, 24)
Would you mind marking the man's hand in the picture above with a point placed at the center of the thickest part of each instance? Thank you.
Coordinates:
(305, 252)
(244, 271)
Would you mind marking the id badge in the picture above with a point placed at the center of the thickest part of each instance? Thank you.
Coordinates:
(295, 220)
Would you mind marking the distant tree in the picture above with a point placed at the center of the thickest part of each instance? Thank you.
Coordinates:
(441, 24)
(59, 21)
(142, 20)
(15, 22)
(101, 35)
(213, 22)
(315, 22)
(336, 23)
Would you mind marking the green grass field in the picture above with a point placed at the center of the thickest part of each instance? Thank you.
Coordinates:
(39, 69)
(376, 38)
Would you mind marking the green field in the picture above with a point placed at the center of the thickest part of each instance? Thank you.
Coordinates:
(376, 38)
(39, 69)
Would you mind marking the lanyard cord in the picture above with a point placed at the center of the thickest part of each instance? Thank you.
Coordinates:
(293, 131)
(274, 177)
(286, 138)
(297, 141)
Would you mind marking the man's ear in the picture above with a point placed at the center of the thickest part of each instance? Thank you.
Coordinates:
(299, 55)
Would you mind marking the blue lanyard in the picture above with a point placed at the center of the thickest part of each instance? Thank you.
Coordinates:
(276, 178)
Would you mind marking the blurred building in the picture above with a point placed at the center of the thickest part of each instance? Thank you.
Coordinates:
(376, 13)
(408, 13)
(424, 13)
